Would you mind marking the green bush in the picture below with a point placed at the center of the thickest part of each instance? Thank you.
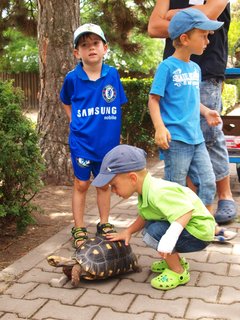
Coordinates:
(20, 160)
(235, 82)
(137, 127)
(229, 98)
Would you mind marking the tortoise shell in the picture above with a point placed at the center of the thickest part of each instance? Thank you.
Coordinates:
(100, 258)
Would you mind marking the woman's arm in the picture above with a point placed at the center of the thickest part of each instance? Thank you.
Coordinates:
(158, 24)
(161, 15)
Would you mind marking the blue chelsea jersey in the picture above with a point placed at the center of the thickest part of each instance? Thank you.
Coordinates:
(96, 111)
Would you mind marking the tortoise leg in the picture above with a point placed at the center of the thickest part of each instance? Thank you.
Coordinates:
(68, 272)
(76, 273)
(135, 266)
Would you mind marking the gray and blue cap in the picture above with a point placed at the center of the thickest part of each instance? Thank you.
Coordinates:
(188, 19)
(121, 159)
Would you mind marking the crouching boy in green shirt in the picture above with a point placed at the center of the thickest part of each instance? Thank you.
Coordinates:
(173, 218)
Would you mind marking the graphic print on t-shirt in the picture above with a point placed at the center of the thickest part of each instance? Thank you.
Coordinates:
(184, 79)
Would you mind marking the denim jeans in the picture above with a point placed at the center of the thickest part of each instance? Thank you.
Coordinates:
(182, 160)
(210, 92)
(154, 230)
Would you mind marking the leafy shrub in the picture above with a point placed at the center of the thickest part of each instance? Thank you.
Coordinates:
(229, 98)
(137, 127)
(235, 82)
(20, 160)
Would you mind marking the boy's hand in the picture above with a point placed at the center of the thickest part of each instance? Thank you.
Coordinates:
(162, 138)
(213, 118)
(124, 235)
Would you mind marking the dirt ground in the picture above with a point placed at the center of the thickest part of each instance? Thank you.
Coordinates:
(55, 202)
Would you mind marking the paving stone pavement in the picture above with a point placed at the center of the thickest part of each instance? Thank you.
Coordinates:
(31, 289)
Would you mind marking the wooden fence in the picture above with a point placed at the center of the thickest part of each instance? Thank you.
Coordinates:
(29, 83)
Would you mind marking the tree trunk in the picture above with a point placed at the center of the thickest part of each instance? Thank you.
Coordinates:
(57, 20)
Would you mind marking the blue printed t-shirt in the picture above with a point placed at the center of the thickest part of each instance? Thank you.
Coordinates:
(177, 83)
(168, 201)
(96, 111)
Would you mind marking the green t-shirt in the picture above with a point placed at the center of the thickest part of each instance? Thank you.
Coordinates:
(165, 200)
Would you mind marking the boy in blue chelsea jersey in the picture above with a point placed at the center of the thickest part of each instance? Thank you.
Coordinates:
(92, 95)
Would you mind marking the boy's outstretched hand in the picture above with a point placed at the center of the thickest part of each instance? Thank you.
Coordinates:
(124, 235)
(213, 118)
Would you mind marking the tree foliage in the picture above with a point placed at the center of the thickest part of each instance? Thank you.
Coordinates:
(20, 54)
(234, 31)
(20, 14)
(124, 23)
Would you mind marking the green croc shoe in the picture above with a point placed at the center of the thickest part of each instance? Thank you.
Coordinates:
(160, 265)
(170, 280)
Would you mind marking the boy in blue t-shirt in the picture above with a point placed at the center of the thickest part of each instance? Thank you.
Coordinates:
(175, 107)
(92, 95)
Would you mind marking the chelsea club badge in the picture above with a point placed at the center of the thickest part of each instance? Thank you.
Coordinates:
(109, 93)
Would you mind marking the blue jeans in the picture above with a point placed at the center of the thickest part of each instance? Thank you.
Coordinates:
(210, 92)
(154, 230)
(182, 160)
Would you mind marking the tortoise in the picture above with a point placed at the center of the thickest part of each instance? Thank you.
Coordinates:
(97, 258)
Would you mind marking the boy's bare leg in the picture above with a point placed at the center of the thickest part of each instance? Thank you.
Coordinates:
(78, 206)
(224, 189)
(79, 201)
(173, 261)
(103, 202)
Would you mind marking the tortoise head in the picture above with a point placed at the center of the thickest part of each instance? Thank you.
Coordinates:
(57, 261)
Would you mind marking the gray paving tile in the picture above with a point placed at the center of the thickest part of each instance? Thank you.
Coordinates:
(29, 291)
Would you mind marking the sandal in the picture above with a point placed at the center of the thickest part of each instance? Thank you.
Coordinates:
(170, 279)
(160, 265)
(105, 228)
(80, 235)
(224, 235)
(226, 211)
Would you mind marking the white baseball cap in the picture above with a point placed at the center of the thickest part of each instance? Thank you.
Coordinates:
(88, 28)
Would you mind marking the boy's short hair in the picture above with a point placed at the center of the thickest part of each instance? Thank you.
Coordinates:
(88, 28)
(121, 159)
(188, 19)
(177, 43)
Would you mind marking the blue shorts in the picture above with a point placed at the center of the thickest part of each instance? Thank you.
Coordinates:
(154, 230)
(83, 168)
(210, 91)
(182, 160)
